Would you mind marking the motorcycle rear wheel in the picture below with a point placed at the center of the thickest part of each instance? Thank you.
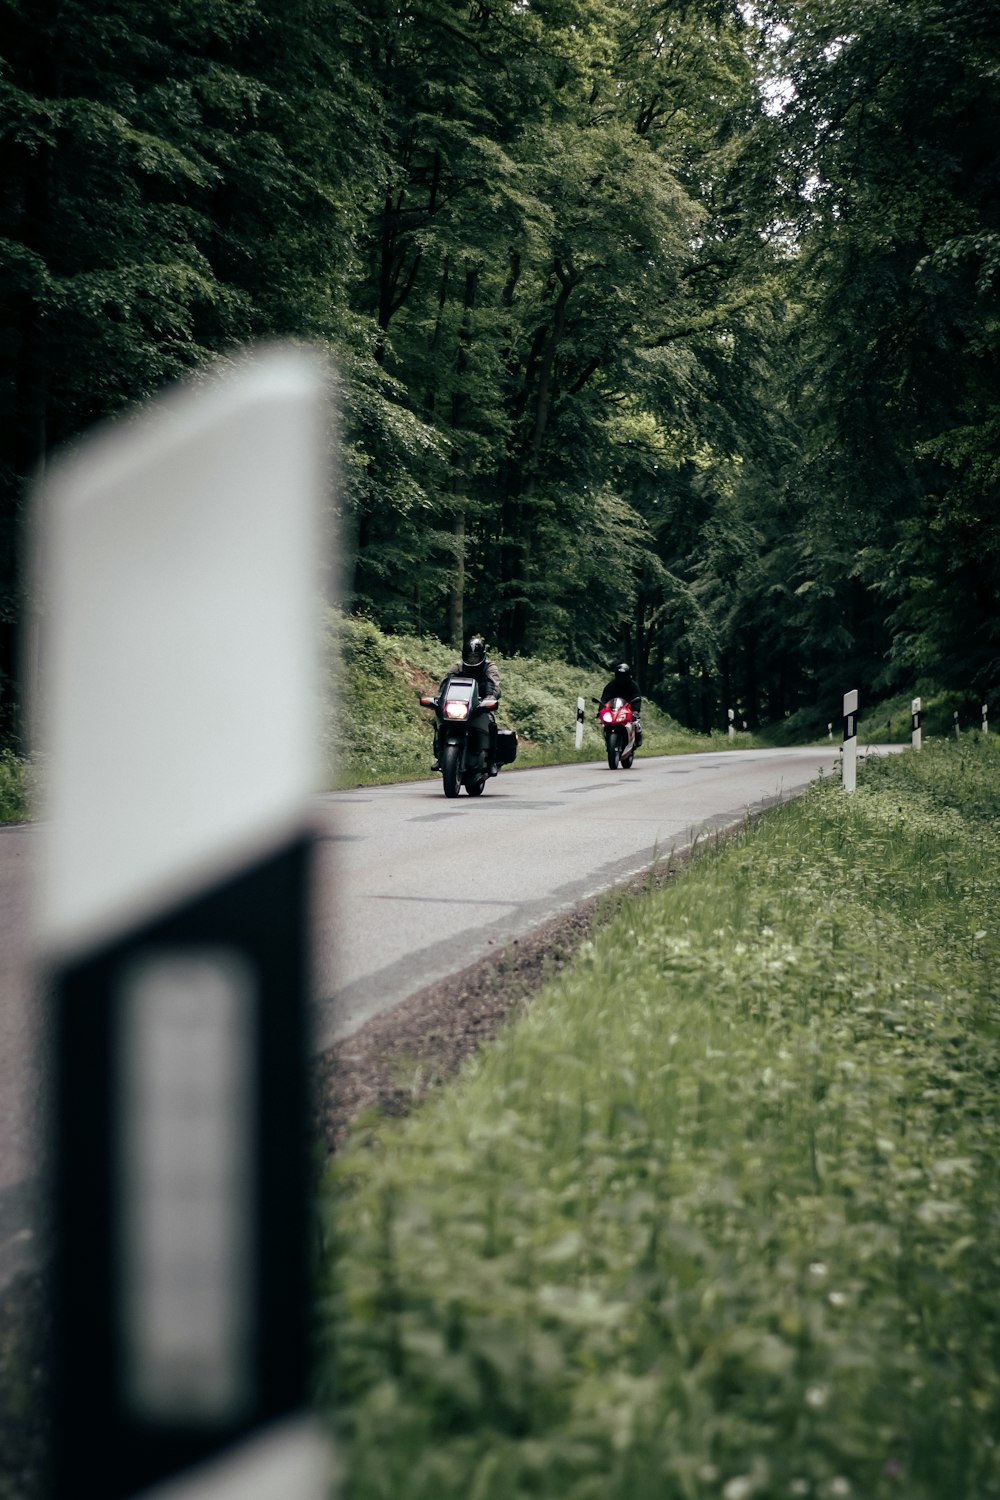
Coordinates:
(450, 770)
(627, 760)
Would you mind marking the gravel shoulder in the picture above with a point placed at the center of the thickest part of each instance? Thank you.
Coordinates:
(397, 1058)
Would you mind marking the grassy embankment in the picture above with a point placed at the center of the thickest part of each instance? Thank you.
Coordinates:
(377, 732)
(15, 787)
(720, 1214)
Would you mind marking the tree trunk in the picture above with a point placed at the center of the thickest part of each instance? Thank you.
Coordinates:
(459, 402)
(456, 610)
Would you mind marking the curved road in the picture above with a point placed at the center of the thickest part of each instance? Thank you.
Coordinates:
(412, 887)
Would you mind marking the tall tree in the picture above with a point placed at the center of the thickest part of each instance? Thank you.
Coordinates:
(173, 182)
(893, 120)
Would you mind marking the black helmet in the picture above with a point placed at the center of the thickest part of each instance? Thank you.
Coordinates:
(622, 669)
(474, 651)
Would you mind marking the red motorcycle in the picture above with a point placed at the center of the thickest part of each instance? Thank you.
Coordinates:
(618, 722)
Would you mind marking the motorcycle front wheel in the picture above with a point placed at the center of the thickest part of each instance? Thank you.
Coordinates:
(451, 770)
(614, 752)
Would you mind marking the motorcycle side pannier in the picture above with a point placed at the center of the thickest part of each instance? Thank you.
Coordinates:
(506, 746)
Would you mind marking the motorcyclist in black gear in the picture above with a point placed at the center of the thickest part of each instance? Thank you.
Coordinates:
(475, 663)
(624, 685)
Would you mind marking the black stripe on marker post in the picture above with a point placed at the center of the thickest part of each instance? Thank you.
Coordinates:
(137, 1397)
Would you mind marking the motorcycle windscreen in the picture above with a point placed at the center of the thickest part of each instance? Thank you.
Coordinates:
(457, 706)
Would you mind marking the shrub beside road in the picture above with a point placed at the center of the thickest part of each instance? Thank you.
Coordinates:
(720, 1215)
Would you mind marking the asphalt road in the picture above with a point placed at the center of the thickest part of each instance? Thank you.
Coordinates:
(414, 886)
(411, 888)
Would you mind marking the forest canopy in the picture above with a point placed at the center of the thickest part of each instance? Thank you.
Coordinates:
(663, 329)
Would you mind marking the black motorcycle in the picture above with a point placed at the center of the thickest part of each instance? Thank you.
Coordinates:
(463, 736)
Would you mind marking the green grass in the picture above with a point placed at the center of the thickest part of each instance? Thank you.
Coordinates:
(720, 1215)
(377, 732)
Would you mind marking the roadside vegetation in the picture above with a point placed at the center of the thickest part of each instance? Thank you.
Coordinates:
(15, 787)
(720, 1214)
(377, 732)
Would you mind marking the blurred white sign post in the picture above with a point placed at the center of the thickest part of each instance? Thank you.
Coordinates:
(732, 726)
(986, 718)
(579, 722)
(916, 735)
(850, 749)
(177, 583)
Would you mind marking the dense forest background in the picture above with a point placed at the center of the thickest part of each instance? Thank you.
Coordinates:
(663, 329)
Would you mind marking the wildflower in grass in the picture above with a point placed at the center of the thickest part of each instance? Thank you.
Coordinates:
(740, 1487)
(817, 1396)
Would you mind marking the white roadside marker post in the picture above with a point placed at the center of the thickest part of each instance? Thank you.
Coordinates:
(986, 718)
(580, 710)
(850, 747)
(958, 732)
(916, 737)
(178, 584)
(732, 726)
(829, 729)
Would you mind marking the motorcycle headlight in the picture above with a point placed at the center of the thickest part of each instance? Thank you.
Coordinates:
(456, 710)
(607, 716)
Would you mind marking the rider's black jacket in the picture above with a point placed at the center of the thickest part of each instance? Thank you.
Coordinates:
(623, 687)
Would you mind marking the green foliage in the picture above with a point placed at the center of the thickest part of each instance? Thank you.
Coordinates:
(891, 721)
(718, 1216)
(661, 331)
(895, 554)
(15, 788)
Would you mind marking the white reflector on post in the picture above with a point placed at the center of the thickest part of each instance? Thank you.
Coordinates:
(178, 596)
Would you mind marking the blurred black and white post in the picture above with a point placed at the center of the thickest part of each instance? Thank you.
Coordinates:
(178, 590)
(916, 736)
